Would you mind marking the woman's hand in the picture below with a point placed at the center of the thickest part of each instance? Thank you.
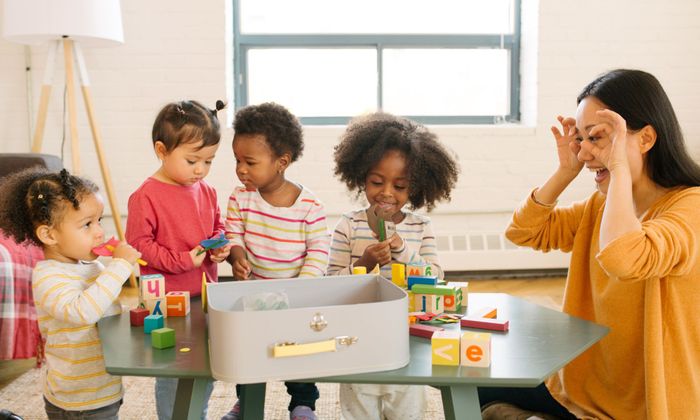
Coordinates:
(567, 146)
(612, 154)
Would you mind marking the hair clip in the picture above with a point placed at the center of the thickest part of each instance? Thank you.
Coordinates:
(179, 109)
(40, 197)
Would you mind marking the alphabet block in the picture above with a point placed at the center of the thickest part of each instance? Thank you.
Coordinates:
(450, 295)
(422, 270)
(429, 303)
(157, 306)
(464, 287)
(162, 338)
(152, 287)
(445, 348)
(413, 280)
(152, 322)
(398, 274)
(475, 349)
(411, 301)
(178, 303)
(137, 315)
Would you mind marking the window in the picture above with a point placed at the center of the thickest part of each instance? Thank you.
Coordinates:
(438, 62)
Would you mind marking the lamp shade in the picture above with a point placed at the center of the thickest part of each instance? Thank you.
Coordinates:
(92, 22)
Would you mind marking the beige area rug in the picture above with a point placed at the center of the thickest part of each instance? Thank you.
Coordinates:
(23, 397)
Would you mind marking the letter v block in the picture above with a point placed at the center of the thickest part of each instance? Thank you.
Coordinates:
(178, 303)
(157, 306)
(445, 348)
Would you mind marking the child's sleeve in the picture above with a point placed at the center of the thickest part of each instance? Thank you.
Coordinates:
(234, 227)
(219, 225)
(317, 242)
(426, 252)
(61, 296)
(341, 250)
(140, 233)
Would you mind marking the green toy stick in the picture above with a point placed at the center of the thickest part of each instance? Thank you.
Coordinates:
(382, 230)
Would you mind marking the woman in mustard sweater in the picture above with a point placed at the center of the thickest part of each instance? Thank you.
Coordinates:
(635, 248)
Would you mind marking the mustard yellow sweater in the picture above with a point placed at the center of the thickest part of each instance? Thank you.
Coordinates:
(645, 286)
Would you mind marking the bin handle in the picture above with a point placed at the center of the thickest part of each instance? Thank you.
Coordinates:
(291, 348)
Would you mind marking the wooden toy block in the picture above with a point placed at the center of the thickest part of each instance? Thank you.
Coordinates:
(152, 322)
(475, 349)
(486, 312)
(429, 303)
(411, 319)
(451, 295)
(157, 306)
(178, 303)
(413, 280)
(484, 323)
(463, 286)
(420, 330)
(398, 274)
(359, 270)
(163, 338)
(137, 315)
(445, 348)
(152, 287)
(421, 270)
(411, 301)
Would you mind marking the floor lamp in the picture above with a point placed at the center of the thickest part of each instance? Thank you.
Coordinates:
(68, 24)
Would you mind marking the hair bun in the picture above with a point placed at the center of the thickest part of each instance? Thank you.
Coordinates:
(220, 105)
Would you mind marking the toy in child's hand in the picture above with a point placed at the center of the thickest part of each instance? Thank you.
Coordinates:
(380, 223)
(213, 243)
(107, 248)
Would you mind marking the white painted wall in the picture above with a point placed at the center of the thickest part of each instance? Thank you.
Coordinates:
(179, 49)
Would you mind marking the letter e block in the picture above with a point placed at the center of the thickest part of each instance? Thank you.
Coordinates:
(152, 287)
(445, 348)
(178, 303)
(475, 349)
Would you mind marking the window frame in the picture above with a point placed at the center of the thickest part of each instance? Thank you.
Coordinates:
(242, 43)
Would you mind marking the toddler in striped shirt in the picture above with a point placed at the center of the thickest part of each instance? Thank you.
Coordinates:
(394, 162)
(277, 227)
(72, 290)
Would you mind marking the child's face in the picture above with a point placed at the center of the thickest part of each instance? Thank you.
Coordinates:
(256, 164)
(78, 232)
(386, 184)
(187, 164)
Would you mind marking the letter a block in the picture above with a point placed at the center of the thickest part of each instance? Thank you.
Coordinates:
(475, 349)
(178, 303)
(152, 322)
(162, 338)
(152, 287)
(420, 270)
(445, 348)
(157, 306)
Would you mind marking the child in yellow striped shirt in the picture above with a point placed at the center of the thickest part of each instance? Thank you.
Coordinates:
(72, 290)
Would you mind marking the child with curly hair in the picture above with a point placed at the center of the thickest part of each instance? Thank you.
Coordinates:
(394, 162)
(72, 290)
(174, 209)
(277, 226)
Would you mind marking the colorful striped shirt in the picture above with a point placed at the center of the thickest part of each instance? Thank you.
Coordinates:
(353, 235)
(70, 299)
(281, 242)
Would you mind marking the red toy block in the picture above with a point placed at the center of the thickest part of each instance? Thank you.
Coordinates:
(137, 315)
(485, 323)
(425, 331)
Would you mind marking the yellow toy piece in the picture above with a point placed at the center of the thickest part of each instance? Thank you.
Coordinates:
(204, 292)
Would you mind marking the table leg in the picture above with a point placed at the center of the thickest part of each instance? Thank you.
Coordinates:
(460, 402)
(252, 400)
(189, 398)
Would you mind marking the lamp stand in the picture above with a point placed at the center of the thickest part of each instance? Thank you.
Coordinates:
(72, 53)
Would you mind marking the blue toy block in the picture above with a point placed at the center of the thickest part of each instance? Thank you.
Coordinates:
(429, 280)
(152, 322)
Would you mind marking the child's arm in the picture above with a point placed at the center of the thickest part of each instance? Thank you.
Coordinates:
(59, 293)
(318, 242)
(235, 229)
(239, 262)
(403, 252)
(340, 251)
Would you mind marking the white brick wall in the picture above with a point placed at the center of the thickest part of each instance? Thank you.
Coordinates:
(179, 49)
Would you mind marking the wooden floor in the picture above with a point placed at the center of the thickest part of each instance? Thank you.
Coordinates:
(552, 287)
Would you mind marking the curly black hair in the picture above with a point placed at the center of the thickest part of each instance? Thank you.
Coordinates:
(433, 171)
(35, 197)
(187, 122)
(282, 130)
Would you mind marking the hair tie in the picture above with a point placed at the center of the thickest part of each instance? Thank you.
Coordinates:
(179, 109)
(218, 107)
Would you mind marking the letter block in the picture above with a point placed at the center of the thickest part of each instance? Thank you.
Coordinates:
(178, 303)
(429, 303)
(475, 349)
(162, 338)
(137, 315)
(411, 301)
(445, 348)
(464, 287)
(152, 287)
(413, 280)
(398, 274)
(157, 306)
(449, 294)
(152, 322)
(420, 270)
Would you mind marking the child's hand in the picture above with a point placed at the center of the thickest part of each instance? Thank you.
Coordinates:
(379, 253)
(395, 242)
(241, 269)
(126, 252)
(219, 255)
(198, 256)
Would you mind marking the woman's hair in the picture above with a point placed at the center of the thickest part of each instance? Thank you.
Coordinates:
(432, 170)
(35, 197)
(639, 98)
(282, 130)
(187, 122)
